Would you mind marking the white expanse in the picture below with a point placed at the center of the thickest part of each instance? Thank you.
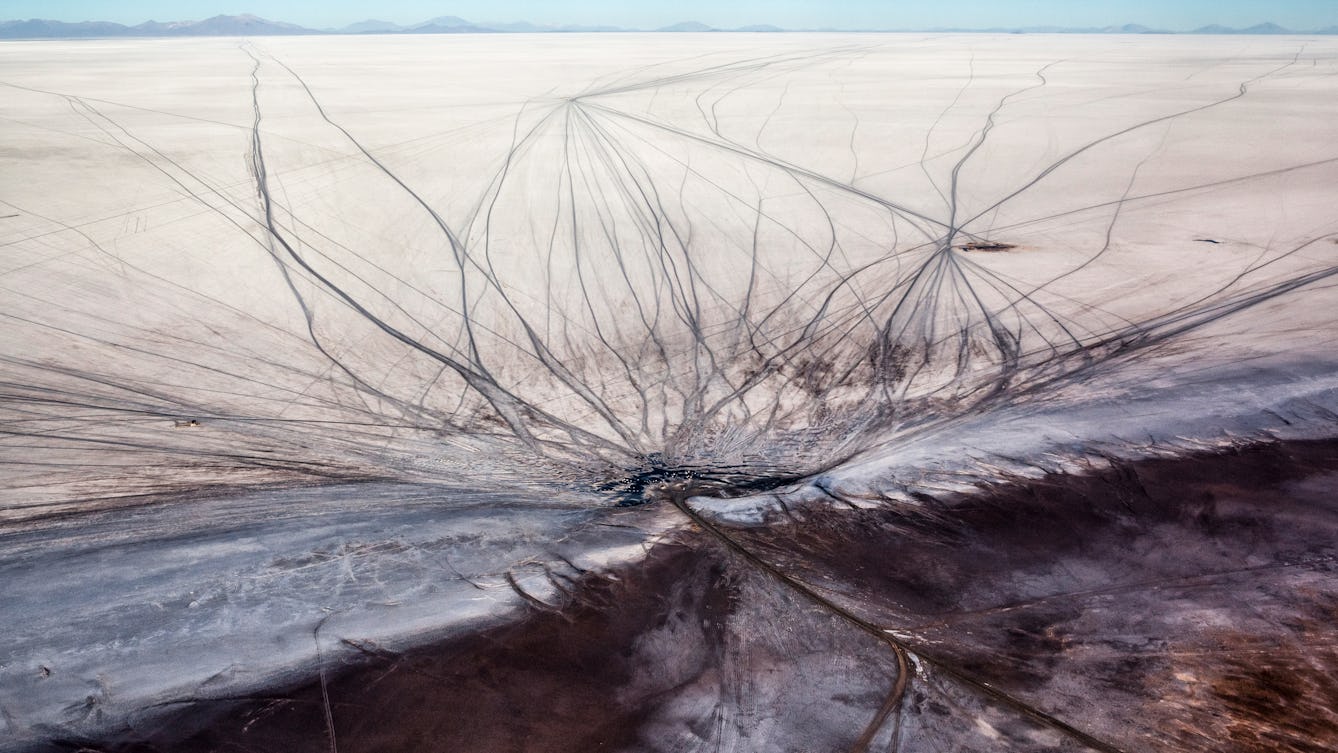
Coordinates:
(636, 225)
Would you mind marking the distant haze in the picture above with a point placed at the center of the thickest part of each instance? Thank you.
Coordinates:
(1175, 15)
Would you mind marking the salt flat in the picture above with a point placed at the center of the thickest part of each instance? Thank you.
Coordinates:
(306, 313)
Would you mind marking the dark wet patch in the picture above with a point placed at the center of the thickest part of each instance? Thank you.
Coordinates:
(656, 480)
(1073, 595)
(985, 246)
(1087, 595)
(551, 683)
(928, 558)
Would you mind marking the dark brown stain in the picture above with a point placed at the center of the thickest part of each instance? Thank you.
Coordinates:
(555, 682)
(920, 559)
(1282, 696)
(575, 679)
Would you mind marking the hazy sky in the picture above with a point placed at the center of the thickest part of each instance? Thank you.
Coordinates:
(890, 14)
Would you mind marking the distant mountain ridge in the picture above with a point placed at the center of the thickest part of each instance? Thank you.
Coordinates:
(245, 25)
(686, 26)
(251, 25)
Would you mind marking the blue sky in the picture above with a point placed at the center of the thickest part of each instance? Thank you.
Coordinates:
(1170, 14)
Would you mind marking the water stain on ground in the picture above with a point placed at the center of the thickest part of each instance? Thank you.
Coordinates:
(1157, 605)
